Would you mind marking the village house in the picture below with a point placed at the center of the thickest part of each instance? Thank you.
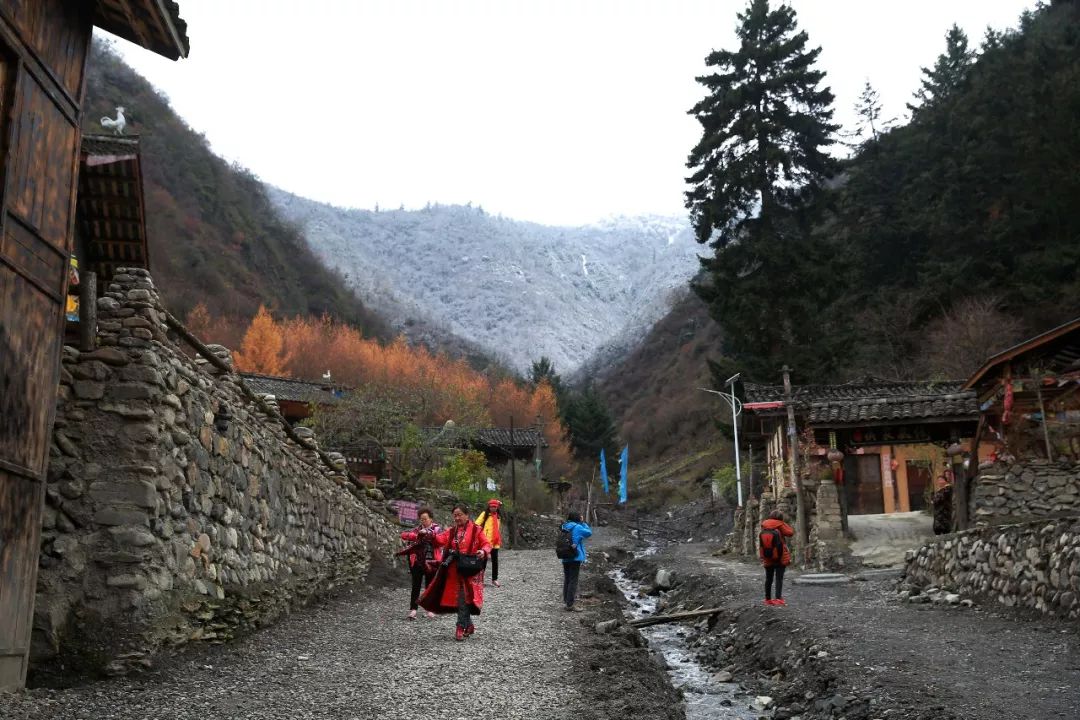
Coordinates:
(43, 51)
(885, 440)
(1028, 432)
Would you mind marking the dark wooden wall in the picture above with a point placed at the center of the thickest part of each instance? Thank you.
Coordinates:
(43, 50)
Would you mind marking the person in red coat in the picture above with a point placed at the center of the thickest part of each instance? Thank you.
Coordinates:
(424, 557)
(450, 591)
(775, 555)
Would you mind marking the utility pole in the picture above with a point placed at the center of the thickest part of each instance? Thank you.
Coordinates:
(735, 424)
(539, 439)
(513, 486)
(800, 503)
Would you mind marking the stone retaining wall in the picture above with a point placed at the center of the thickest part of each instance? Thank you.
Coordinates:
(1025, 490)
(1034, 565)
(162, 524)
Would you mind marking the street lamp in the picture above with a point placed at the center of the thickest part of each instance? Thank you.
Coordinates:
(736, 410)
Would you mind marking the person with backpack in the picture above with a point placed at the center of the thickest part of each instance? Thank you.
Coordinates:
(424, 557)
(775, 555)
(570, 548)
(491, 524)
(458, 585)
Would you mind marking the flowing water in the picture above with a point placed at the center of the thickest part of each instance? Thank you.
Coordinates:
(706, 699)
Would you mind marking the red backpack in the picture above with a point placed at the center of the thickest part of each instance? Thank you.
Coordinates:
(772, 545)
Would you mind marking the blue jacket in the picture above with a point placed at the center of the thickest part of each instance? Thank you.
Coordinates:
(578, 533)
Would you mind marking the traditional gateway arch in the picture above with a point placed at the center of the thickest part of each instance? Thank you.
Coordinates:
(44, 46)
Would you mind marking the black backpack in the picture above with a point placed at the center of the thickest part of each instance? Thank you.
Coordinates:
(772, 545)
(565, 549)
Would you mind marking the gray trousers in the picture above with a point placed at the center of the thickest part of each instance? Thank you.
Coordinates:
(464, 617)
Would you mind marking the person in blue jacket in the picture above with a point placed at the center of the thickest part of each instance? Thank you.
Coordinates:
(572, 568)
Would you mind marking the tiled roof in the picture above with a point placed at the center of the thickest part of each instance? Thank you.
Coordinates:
(872, 400)
(490, 437)
(153, 24)
(95, 144)
(290, 389)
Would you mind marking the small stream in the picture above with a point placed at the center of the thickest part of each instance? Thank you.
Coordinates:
(706, 699)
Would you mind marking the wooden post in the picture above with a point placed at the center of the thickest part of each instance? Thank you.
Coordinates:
(800, 503)
(88, 312)
(1042, 410)
(513, 486)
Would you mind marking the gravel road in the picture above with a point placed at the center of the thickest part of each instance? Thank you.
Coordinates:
(356, 656)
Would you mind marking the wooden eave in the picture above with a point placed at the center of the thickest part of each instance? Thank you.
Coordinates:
(1007, 356)
(153, 24)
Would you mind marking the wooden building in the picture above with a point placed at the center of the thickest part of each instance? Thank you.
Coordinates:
(893, 436)
(295, 398)
(43, 52)
(1029, 397)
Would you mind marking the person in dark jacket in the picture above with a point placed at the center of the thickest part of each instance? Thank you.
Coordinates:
(424, 557)
(942, 502)
(775, 558)
(572, 568)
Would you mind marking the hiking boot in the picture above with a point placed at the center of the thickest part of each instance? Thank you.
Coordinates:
(411, 615)
(779, 601)
(770, 602)
(459, 634)
(470, 630)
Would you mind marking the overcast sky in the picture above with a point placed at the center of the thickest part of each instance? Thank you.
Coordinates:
(556, 111)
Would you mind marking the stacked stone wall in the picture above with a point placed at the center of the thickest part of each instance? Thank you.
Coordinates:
(1031, 565)
(1009, 493)
(176, 510)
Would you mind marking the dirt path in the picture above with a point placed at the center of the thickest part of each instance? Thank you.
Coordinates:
(972, 663)
(356, 657)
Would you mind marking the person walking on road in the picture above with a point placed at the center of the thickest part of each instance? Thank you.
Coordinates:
(775, 555)
(491, 523)
(458, 586)
(577, 531)
(424, 557)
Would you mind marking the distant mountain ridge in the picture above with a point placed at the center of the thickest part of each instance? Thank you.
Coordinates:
(519, 289)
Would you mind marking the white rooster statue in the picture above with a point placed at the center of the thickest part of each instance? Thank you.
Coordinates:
(118, 124)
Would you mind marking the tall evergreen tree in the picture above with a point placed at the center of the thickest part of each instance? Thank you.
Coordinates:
(949, 74)
(766, 122)
(590, 425)
(871, 123)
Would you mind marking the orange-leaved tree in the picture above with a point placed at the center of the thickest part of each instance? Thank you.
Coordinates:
(263, 347)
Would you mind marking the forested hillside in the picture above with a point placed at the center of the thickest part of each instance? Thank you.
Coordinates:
(214, 236)
(939, 241)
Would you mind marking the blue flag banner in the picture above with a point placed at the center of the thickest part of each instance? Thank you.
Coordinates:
(603, 471)
(624, 460)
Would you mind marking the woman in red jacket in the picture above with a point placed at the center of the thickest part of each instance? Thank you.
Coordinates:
(775, 555)
(424, 557)
(451, 591)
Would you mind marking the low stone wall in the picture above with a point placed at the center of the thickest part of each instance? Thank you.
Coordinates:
(163, 525)
(1033, 565)
(1008, 493)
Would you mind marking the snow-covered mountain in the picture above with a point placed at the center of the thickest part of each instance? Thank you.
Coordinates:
(519, 289)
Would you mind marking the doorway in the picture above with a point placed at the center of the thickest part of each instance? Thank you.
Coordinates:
(862, 484)
(918, 483)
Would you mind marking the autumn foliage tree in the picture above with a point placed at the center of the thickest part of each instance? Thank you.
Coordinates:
(263, 348)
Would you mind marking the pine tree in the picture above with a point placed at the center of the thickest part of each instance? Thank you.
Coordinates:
(544, 369)
(764, 124)
(758, 166)
(590, 426)
(949, 74)
(868, 108)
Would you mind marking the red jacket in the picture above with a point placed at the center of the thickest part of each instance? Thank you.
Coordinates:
(785, 531)
(441, 595)
(411, 536)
